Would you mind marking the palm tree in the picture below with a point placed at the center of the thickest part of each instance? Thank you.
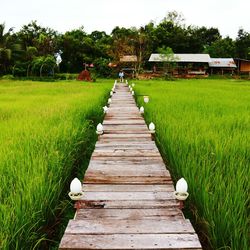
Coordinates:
(7, 47)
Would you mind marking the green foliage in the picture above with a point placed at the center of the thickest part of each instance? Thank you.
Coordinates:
(43, 64)
(222, 48)
(168, 58)
(101, 68)
(46, 129)
(78, 47)
(243, 44)
(203, 131)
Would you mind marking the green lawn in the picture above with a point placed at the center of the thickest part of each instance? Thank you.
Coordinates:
(45, 130)
(203, 131)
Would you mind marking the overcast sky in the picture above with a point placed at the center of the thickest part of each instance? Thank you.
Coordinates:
(104, 15)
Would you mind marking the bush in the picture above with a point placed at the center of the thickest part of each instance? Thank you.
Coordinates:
(7, 77)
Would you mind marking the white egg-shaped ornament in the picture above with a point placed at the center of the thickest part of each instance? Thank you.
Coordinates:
(109, 100)
(76, 192)
(75, 186)
(181, 193)
(181, 186)
(99, 129)
(105, 109)
(141, 110)
(126, 81)
(111, 93)
(146, 99)
(151, 128)
(133, 92)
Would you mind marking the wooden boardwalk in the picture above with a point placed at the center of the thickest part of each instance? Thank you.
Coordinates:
(128, 201)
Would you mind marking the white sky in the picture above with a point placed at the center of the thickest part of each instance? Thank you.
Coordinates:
(104, 15)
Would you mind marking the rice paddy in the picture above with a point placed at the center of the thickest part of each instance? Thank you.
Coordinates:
(203, 132)
(45, 129)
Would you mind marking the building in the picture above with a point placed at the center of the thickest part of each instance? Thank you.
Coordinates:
(128, 64)
(222, 66)
(243, 66)
(185, 65)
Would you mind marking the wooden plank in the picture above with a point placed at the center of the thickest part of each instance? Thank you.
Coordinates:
(131, 136)
(131, 241)
(128, 161)
(125, 145)
(131, 172)
(89, 196)
(126, 167)
(127, 188)
(126, 153)
(126, 158)
(127, 180)
(130, 214)
(125, 127)
(122, 122)
(112, 117)
(142, 204)
(123, 226)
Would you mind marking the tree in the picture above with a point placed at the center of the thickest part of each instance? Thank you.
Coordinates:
(242, 44)
(222, 48)
(8, 48)
(168, 58)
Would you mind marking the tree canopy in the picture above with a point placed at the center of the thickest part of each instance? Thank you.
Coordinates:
(33, 43)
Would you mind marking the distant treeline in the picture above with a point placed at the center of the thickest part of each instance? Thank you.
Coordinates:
(30, 51)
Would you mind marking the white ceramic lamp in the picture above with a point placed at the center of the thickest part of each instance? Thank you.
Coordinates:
(141, 110)
(133, 92)
(109, 100)
(181, 190)
(151, 128)
(146, 98)
(105, 109)
(76, 192)
(99, 129)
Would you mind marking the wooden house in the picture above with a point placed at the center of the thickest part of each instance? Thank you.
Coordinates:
(222, 66)
(184, 65)
(243, 66)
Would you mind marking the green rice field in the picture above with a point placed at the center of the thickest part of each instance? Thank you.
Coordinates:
(203, 132)
(45, 130)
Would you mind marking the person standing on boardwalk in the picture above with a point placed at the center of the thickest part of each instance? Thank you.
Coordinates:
(121, 76)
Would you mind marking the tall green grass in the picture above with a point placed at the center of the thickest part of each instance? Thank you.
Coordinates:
(43, 129)
(203, 131)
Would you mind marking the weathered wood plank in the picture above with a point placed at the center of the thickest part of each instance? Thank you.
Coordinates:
(128, 196)
(135, 159)
(126, 153)
(127, 180)
(122, 127)
(122, 122)
(104, 166)
(128, 161)
(131, 241)
(127, 188)
(131, 172)
(123, 226)
(130, 214)
(142, 204)
(126, 146)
